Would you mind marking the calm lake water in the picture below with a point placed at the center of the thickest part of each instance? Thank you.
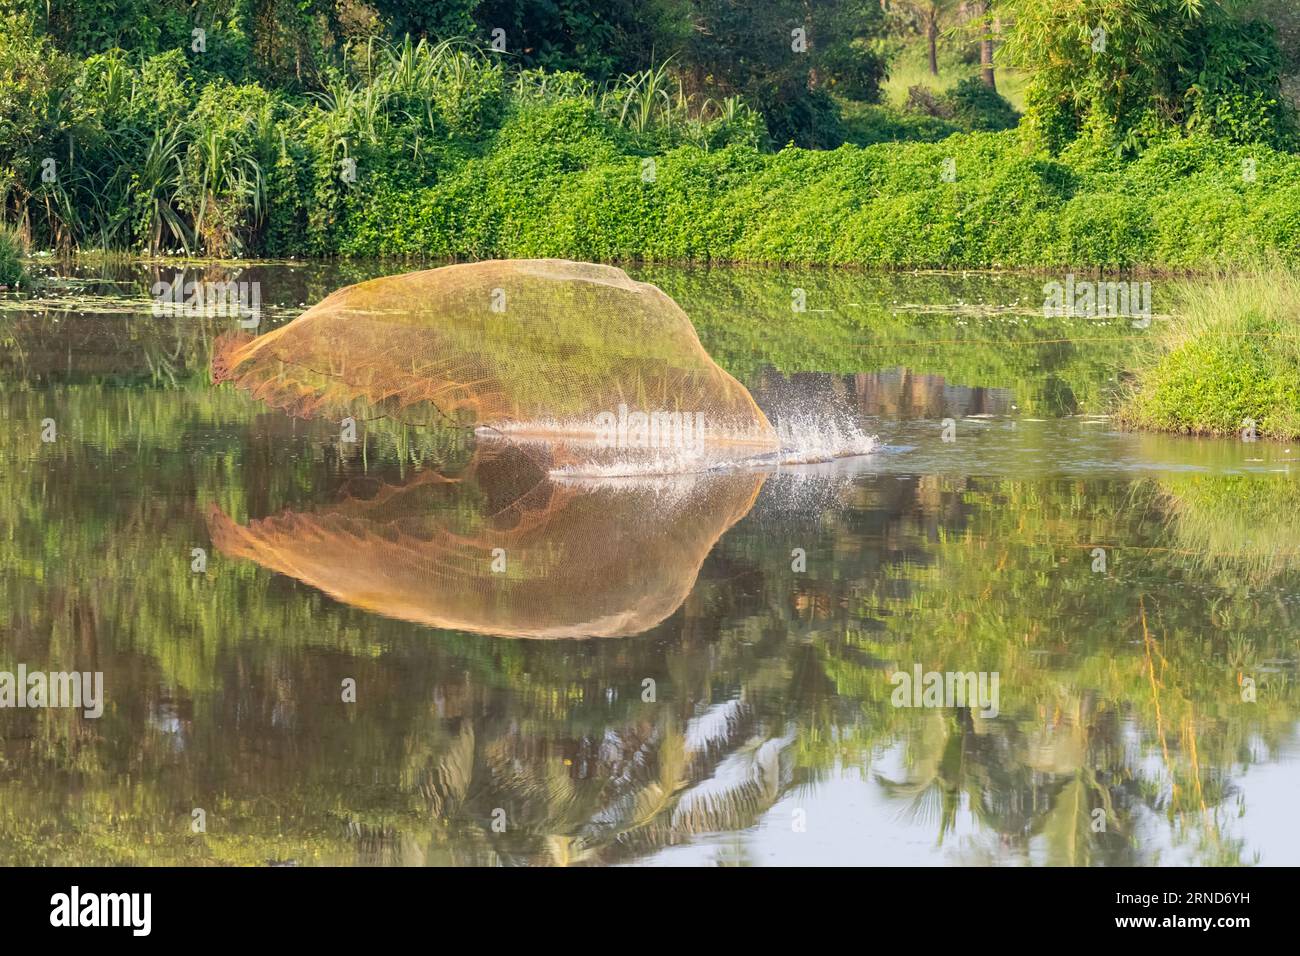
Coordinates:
(741, 707)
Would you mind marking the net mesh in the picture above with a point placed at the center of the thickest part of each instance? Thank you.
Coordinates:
(575, 357)
(501, 548)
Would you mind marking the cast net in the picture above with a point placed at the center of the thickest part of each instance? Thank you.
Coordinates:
(591, 370)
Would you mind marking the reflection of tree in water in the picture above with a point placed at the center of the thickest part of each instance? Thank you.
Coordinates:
(1019, 786)
(631, 790)
(897, 393)
(1116, 696)
(624, 786)
(1083, 716)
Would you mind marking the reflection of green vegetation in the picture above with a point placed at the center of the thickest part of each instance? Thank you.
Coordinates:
(987, 331)
(1247, 525)
(1232, 357)
(1084, 658)
(224, 687)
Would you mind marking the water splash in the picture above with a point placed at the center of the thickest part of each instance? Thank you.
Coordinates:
(806, 439)
(802, 439)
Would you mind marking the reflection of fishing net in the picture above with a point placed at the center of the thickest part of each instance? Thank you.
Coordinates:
(501, 549)
(572, 355)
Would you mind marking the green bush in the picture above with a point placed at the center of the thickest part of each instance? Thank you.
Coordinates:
(1233, 84)
(1161, 66)
(979, 108)
(1105, 229)
(867, 124)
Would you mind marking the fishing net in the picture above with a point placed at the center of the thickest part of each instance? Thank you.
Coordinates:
(500, 548)
(575, 359)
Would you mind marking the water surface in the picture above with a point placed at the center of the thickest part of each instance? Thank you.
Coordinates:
(737, 708)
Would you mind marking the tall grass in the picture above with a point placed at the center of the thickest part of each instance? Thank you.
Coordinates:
(655, 101)
(156, 190)
(1228, 361)
(429, 85)
(150, 160)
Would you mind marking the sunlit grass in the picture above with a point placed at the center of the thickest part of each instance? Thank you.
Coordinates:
(1228, 362)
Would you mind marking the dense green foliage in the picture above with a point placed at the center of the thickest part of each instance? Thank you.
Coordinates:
(416, 148)
(974, 106)
(568, 194)
(782, 54)
(1122, 72)
(928, 117)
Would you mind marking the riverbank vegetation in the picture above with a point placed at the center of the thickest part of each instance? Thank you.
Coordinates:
(1229, 364)
(370, 131)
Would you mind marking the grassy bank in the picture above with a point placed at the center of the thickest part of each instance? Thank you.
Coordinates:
(1230, 359)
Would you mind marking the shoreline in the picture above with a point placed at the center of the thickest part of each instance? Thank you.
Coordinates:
(417, 263)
